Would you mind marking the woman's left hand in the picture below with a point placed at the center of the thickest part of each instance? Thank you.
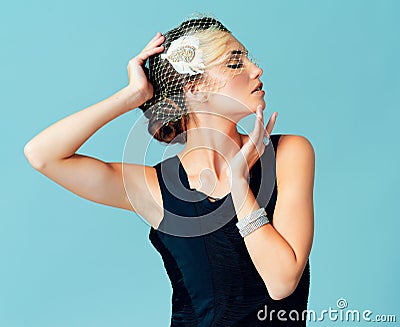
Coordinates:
(253, 149)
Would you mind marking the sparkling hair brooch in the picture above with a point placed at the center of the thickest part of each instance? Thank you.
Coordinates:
(185, 56)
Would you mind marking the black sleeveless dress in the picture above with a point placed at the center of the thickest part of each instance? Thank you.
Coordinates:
(213, 278)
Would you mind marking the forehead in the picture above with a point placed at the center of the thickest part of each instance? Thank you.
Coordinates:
(235, 48)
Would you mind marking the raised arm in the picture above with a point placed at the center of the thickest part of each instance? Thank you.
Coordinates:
(53, 151)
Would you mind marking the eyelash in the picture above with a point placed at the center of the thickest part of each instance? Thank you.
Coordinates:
(236, 66)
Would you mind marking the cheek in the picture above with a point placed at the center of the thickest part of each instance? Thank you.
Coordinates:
(239, 85)
(230, 82)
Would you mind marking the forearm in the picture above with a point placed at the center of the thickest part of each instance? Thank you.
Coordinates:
(63, 138)
(272, 256)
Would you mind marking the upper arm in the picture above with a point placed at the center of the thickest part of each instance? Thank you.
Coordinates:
(96, 180)
(294, 210)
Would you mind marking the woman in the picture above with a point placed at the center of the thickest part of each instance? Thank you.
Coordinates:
(235, 268)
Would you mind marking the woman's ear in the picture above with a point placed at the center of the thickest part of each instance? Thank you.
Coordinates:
(189, 87)
(193, 93)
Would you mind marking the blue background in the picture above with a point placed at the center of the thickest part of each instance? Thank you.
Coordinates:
(331, 70)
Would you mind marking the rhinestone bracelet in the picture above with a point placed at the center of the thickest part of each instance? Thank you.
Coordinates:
(251, 227)
(252, 216)
(253, 221)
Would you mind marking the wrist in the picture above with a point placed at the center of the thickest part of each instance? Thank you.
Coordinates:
(130, 98)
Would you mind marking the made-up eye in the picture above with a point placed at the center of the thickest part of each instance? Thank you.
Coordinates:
(235, 60)
(235, 66)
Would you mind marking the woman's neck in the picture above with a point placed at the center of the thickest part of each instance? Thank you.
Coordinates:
(211, 141)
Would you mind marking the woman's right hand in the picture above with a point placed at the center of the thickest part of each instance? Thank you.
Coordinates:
(139, 86)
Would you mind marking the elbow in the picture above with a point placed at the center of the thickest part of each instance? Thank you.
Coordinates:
(279, 292)
(32, 157)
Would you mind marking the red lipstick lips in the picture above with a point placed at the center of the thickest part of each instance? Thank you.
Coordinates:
(258, 87)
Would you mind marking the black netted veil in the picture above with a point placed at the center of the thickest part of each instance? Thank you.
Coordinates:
(168, 102)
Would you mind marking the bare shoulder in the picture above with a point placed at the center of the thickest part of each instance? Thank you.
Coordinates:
(289, 143)
(295, 155)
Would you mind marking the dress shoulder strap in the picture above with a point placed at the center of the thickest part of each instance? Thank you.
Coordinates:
(275, 139)
(174, 194)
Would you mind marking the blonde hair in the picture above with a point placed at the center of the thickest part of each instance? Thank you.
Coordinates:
(213, 44)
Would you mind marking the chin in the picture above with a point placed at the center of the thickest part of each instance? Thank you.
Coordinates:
(254, 108)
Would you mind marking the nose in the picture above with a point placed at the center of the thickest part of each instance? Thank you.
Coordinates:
(256, 71)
